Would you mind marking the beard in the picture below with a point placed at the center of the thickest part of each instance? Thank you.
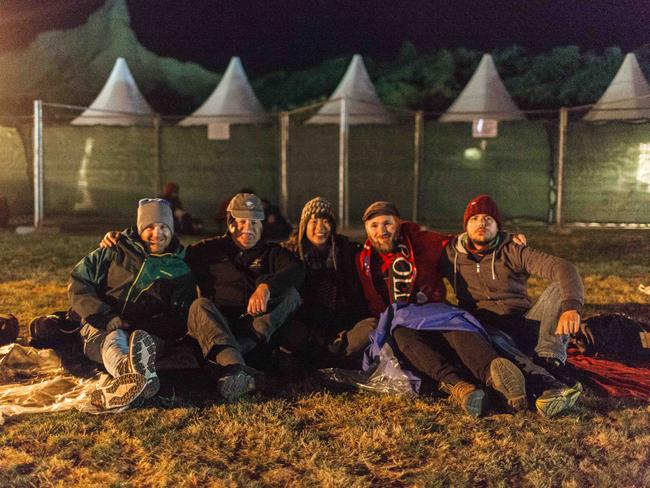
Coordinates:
(384, 246)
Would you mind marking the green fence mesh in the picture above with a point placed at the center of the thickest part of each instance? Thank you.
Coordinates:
(607, 173)
(103, 171)
(15, 179)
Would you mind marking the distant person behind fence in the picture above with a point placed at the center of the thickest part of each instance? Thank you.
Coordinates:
(184, 223)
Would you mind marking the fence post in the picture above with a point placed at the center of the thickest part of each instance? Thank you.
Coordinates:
(38, 163)
(344, 215)
(157, 183)
(417, 161)
(284, 163)
(560, 165)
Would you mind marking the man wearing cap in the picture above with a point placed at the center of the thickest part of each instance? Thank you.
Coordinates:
(490, 274)
(399, 263)
(248, 290)
(129, 298)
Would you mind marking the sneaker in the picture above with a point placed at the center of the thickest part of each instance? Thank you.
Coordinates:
(507, 379)
(466, 395)
(238, 380)
(142, 360)
(554, 401)
(119, 392)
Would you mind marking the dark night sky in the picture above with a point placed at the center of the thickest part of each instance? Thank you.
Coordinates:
(273, 34)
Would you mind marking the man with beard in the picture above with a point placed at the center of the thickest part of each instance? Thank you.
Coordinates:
(490, 274)
(399, 263)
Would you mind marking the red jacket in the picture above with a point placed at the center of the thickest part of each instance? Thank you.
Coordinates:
(428, 247)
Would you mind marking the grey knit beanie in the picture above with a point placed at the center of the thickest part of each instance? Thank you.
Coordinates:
(152, 210)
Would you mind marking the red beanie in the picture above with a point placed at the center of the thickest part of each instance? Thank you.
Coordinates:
(482, 204)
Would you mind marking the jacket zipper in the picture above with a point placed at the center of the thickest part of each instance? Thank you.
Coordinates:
(126, 301)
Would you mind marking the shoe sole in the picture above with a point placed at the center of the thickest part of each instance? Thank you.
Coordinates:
(121, 392)
(142, 360)
(509, 381)
(236, 385)
(474, 402)
(553, 405)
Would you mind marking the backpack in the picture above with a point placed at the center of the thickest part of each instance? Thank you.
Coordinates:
(614, 335)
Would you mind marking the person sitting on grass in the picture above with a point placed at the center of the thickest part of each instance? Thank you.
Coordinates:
(333, 305)
(248, 291)
(489, 274)
(399, 263)
(131, 299)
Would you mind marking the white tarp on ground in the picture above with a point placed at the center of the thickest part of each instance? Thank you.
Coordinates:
(120, 95)
(628, 90)
(34, 381)
(232, 102)
(484, 96)
(364, 106)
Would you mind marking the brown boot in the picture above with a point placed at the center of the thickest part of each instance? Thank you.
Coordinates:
(466, 395)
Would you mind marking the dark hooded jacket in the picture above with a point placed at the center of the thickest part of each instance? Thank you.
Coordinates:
(229, 275)
(149, 291)
(498, 281)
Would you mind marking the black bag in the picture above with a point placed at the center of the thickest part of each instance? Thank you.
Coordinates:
(613, 335)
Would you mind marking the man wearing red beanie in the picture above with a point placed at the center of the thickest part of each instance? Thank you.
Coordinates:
(489, 274)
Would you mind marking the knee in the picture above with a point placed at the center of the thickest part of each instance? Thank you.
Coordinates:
(199, 309)
(402, 335)
(292, 298)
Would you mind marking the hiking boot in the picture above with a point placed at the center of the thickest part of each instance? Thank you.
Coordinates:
(119, 392)
(507, 379)
(466, 395)
(237, 380)
(142, 360)
(556, 400)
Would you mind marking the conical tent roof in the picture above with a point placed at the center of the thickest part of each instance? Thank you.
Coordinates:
(624, 92)
(232, 102)
(485, 96)
(120, 94)
(364, 106)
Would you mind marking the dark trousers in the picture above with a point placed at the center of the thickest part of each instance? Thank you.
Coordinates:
(225, 338)
(433, 352)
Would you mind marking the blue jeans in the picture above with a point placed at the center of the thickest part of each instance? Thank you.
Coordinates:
(544, 316)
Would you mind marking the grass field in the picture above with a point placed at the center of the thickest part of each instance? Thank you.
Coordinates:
(303, 434)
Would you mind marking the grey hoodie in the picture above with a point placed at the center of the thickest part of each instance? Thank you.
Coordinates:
(498, 281)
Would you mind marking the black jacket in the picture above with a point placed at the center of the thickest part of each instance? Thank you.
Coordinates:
(229, 275)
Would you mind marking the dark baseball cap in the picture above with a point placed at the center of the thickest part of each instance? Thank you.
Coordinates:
(246, 206)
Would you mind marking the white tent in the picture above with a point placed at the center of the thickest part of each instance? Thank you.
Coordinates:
(485, 96)
(628, 90)
(119, 103)
(364, 106)
(232, 102)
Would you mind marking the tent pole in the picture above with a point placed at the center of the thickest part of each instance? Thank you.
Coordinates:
(38, 163)
(344, 213)
(284, 156)
(417, 161)
(560, 165)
